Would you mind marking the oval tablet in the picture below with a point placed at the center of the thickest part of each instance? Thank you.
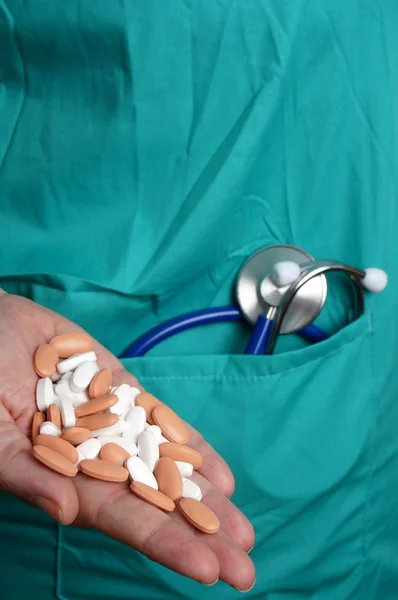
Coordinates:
(123, 392)
(54, 461)
(69, 344)
(171, 425)
(148, 449)
(169, 478)
(71, 363)
(54, 415)
(44, 393)
(96, 405)
(139, 472)
(127, 445)
(38, 420)
(83, 375)
(152, 496)
(190, 489)
(50, 429)
(148, 403)
(98, 421)
(58, 445)
(101, 469)
(100, 384)
(199, 515)
(67, 412)
(114, 453)
(76, 435)
(45, 360)
(181, 453)
(90, 448)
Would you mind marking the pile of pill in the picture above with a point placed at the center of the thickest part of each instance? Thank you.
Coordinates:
(117, 434)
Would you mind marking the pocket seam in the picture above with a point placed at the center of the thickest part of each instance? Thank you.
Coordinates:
(368, 330)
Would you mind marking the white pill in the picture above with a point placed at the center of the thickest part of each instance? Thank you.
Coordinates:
(163, 440)
(71, 363)
(67, 411)
(156, 430)
(136, 419)
(62, 388)
(90, 448)
(134, 393)
(190, 489)
(44, 393)
(55, 377)
(83, 375)
(186, 469)
(148, 449)
(49, 428)
(115, 429)
(67, 375)
(139, 471)
(123, 392)
(115, 439)
(79, 399)
(81, 457)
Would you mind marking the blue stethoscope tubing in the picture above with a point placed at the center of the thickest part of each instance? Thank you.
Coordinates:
(209, 316)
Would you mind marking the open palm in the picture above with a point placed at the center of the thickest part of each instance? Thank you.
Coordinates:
(109, 507)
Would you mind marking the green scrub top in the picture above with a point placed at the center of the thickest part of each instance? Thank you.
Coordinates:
(147, 148)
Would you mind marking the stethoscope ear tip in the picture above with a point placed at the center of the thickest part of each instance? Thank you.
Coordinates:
(375, 280)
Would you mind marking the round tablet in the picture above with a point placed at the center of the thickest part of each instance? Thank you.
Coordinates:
(102, 469)
(154, 497)
(54, 461)
(199, 515)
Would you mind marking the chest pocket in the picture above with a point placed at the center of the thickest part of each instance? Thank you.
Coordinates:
(296, 430)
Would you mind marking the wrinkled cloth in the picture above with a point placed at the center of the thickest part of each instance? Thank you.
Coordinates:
(147, 148)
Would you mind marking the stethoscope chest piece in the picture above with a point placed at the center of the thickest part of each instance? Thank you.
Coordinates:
(257, 294)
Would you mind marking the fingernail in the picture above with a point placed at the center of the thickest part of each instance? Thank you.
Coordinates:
(49, 507)
(246, 591)
(208, 584)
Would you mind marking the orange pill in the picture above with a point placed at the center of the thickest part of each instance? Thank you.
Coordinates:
(54, 415)
(199, 515)
(169, 478)
(173, 428)
(76, 435)
(152, 496)
(45, 360)
(148, 403)
(58, 445)
(69, 344)
(181, 453)
(96, 405)
(98, 421)
(54, 461)
(102, 469)
(100, 383)
(114, 453)
(38, 419)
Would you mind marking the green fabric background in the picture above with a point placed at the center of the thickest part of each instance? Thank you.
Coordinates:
(147, 147)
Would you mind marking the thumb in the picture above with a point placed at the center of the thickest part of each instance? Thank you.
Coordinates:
(25, 477)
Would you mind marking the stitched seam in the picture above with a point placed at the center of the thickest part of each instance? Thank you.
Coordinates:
(257, 377)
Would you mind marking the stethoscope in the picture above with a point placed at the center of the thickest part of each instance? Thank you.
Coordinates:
(279, 290)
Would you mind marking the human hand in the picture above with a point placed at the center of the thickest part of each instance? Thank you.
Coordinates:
(110, 507)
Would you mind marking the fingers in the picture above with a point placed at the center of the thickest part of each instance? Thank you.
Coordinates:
(23, 476)
(214, 468)
(233, 521)
(115, 511)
